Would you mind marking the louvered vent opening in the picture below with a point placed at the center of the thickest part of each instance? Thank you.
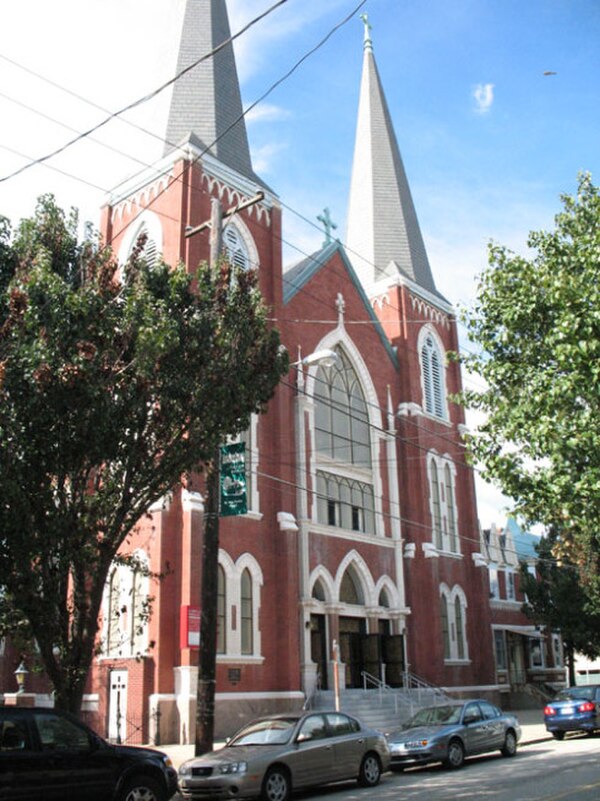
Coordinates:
(235, 248)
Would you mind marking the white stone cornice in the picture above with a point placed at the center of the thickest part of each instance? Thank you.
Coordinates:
(192, 501)
(430, 551)
(410, 550)
(287, 521)
(162, 504)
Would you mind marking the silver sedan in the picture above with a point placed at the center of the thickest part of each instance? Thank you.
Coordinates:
(450, 732)
(271, 756)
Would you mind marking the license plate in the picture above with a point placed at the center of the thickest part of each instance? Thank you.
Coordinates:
(567, 710)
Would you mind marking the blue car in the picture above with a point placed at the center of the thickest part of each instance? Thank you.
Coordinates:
(573, 709)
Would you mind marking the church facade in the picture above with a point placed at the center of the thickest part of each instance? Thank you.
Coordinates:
(359, 553)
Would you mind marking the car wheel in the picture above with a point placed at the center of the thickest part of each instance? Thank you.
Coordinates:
(558, 735)
(369, 772)
(456, 755)
(142, 788)
(276, 785)
(509, 749)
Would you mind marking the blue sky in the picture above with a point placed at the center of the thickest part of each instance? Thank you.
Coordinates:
(488, 141)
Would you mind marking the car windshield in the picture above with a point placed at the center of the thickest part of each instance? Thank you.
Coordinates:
(568, 694)
(274, 731)
(436, 716)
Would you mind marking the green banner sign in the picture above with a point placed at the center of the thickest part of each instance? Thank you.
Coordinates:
(233, 480)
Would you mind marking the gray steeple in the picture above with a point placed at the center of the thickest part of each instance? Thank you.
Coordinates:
(383, 236)
(206, 101)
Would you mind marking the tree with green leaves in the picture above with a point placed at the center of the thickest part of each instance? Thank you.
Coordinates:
(115, 381)
(536, 325)
(557, 600)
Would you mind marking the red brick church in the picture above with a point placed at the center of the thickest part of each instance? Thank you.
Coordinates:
(361, 543)
(362, 525)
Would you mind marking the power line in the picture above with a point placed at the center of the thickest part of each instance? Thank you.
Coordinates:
(140, 101)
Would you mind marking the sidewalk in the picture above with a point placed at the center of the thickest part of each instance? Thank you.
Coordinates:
(533, 730)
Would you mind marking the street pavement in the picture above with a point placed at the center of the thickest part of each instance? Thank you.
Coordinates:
(533, 730)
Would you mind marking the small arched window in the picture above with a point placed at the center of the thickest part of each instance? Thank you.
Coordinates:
(235, 247)
(149, 251)
(445, 626)
(246, 612)
(318, 592)
(350, 592)
(436, 508)
(221, 607)
(460, 633)
(432, 369)
(450, 512)
(384, 599)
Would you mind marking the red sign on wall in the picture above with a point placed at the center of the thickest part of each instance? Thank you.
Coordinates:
(189, 627)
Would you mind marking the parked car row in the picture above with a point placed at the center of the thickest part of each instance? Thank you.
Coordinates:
(46, 754)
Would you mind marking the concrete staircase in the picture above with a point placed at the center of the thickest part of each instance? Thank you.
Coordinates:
(383, 708)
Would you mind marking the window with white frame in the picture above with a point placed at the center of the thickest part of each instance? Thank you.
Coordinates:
(511, 592)
(345, 503)
(432, 373)
(235, 247)
(345, 484)
(536, 653)
(238, 608)
(442, 503)
(126, 608)
(494, 584)
(500, 649)
(250, 439)
(453, 611)
(221, 607)
(445, 625)
(148, 249)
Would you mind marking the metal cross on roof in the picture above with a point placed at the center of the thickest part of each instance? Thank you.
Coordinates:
(368, 28)
(328, 224)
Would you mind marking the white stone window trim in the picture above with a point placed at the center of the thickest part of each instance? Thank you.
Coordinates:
(494, 582)
(238, 226)
(340, 338)
(233, 598)
(451, 596)
(441, 462)
(149, 221)
(126, 577)
(438, 347)
(253, 500)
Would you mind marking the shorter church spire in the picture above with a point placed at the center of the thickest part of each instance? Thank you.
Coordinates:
(383, 235)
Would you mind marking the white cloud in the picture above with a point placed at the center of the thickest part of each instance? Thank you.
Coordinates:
(484, 97)
(267, 112)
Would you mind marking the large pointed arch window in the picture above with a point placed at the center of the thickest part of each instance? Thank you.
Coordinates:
(345, 496)
(432, 371)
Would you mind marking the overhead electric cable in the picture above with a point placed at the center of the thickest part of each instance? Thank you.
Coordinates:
(140, 101)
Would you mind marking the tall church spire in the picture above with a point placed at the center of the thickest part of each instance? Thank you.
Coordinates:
(383, 235)
(206, 103)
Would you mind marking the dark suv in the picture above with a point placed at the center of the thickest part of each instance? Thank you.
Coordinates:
(46, 754)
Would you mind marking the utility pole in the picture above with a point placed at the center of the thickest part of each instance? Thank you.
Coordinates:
(207, 659)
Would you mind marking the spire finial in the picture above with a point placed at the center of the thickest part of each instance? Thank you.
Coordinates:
(368, 45)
